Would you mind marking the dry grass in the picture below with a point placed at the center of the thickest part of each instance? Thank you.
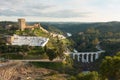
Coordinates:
(9, 72)
(23, 71)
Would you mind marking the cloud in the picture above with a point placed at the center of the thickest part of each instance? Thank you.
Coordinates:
(36, 13)
(66, 14)
(31, 8)
(61, 9)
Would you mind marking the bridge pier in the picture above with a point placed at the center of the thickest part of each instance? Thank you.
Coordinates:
(91, 58)
(87, 58)
(83, 60)
(74, 55)
(96, 55)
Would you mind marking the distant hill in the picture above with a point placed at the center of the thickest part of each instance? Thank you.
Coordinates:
(4, 23)
(69, 26)
(108, 27)
(75, 27)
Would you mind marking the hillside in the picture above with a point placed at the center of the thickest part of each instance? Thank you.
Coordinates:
(75, 27)
(54, 48)
(85, 38)
(26, 71)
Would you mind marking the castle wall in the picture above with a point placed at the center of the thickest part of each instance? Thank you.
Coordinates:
(23, 26)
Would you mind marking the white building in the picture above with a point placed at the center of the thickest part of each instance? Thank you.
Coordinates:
(57, 35)
(29, 40)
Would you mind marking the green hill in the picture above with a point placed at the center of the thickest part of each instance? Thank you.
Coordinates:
(75, 27)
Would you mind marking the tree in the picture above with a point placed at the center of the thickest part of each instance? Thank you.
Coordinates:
(118, 54)
(88, 76)
(92, 31)
(110, 68)
(110, 34)
(72, 78)
(51, 54)
(95, 41)
(60, 48)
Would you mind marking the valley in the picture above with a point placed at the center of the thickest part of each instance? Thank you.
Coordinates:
(73, 51)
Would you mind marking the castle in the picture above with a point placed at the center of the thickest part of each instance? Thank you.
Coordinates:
(22, 25)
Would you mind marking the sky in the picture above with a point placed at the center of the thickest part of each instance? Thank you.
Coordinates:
(60, 10)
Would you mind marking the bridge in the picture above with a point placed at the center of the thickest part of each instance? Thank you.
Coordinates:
(86, 57)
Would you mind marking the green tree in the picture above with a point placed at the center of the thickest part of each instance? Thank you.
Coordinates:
(118, 54)
(88, 76)
(72, 78)
(110, 68)
(60, 48)
(51, 54)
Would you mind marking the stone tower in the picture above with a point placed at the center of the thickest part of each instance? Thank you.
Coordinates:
(22, 24)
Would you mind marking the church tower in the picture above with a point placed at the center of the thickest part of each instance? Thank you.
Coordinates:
(22, 24)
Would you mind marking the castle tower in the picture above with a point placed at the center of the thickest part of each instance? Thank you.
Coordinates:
(22, 24)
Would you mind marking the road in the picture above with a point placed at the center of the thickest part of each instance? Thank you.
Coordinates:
(37, 60)
(3, 64)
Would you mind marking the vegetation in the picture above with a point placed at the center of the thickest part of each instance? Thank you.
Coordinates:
(85, 38)
(110, 67)
(77, 27)
(8, 28)
(86, 76)
(87, 35)
(111, 46)
(55, 47)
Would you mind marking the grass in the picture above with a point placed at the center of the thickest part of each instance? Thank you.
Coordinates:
(49, 65)
(12, 56)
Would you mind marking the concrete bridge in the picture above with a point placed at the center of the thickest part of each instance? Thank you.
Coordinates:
(86, 57)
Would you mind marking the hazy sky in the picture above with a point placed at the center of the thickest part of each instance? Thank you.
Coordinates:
(60, 10)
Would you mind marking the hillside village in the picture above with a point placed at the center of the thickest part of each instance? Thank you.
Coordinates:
(31, 40)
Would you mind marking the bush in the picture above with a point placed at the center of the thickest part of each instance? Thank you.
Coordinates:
(88, 76)
(72, 78)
